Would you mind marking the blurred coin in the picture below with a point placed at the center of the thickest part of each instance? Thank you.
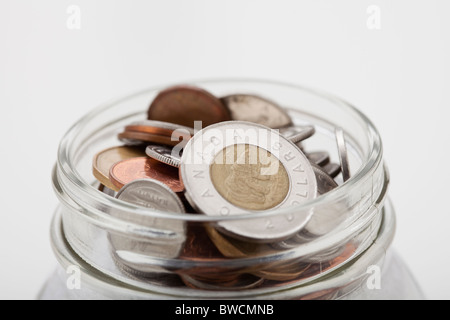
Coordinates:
(251, 108)
(226, 177)
(104, 160)
(186, 104)
(164, 154)
(320, 158)
(284, 271)
(332, 169)
(298, 134)
(168, 235)
(343, 155)
(132, 138)
(239, 282)
(107, 191)
(160, 128)
(129, 170)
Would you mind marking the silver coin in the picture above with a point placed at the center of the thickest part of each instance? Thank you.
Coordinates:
(325, 183)
(164, 154)
(343, 155)
(287, 163)
(332, 169)
(168, 235)
(251, 108)
(320, 223)
(320, 158)
(298, 134)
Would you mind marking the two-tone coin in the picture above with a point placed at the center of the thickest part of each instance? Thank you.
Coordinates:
(236, 168)
(252, 108)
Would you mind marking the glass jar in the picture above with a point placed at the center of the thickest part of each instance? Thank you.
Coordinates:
(351, 259)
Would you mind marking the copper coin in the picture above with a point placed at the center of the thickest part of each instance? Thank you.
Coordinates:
(138, 138)
(104, 160)
(160, 128)
(186, 104)
(198, 246)
(130, 170)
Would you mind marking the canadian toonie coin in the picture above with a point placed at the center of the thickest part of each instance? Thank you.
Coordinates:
(168, 236)
(235, 168)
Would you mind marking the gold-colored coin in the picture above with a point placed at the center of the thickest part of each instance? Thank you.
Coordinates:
(238, 175)
(104, 161)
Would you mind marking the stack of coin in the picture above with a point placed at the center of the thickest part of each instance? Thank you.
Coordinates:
(245, 159)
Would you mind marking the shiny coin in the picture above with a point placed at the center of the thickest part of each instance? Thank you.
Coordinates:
(343, 155)
(129, 170)
(255, 170)
(251, 108)
(168, 235)
(320, 158)
(185, 104)
(298, 134)
(164, 154)
(104, 160)
(332, 169)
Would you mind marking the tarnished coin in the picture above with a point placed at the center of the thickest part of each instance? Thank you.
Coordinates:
(332, 169)
(168, 236)
(132, 138)
(343, 155)
(239, 282)
(107, 191)
(320, 158)
(164, 154)
(255, 170)
(251, 108)
(129, 170)
(104, 160)
(186, 104)
(298, 134)
(325, 183)
(161, 128)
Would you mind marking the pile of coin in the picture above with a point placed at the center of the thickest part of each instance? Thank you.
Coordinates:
(221, 157)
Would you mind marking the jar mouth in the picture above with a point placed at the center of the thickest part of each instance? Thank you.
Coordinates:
(90, 199)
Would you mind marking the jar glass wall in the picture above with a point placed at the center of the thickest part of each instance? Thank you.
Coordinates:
(340, 262)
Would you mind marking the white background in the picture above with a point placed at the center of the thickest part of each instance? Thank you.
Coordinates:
(50, 76)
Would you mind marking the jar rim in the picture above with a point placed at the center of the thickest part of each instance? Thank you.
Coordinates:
(87, 192)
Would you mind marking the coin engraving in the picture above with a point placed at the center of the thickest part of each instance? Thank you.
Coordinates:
(243, 184)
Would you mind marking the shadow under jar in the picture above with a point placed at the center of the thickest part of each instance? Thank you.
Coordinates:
(352, 259)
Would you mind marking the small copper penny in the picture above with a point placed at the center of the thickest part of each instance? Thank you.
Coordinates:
(134, 138)
(186, 104)
(130, 170)
(160, 128)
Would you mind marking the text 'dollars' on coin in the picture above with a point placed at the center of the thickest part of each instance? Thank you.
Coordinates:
(236, 168)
